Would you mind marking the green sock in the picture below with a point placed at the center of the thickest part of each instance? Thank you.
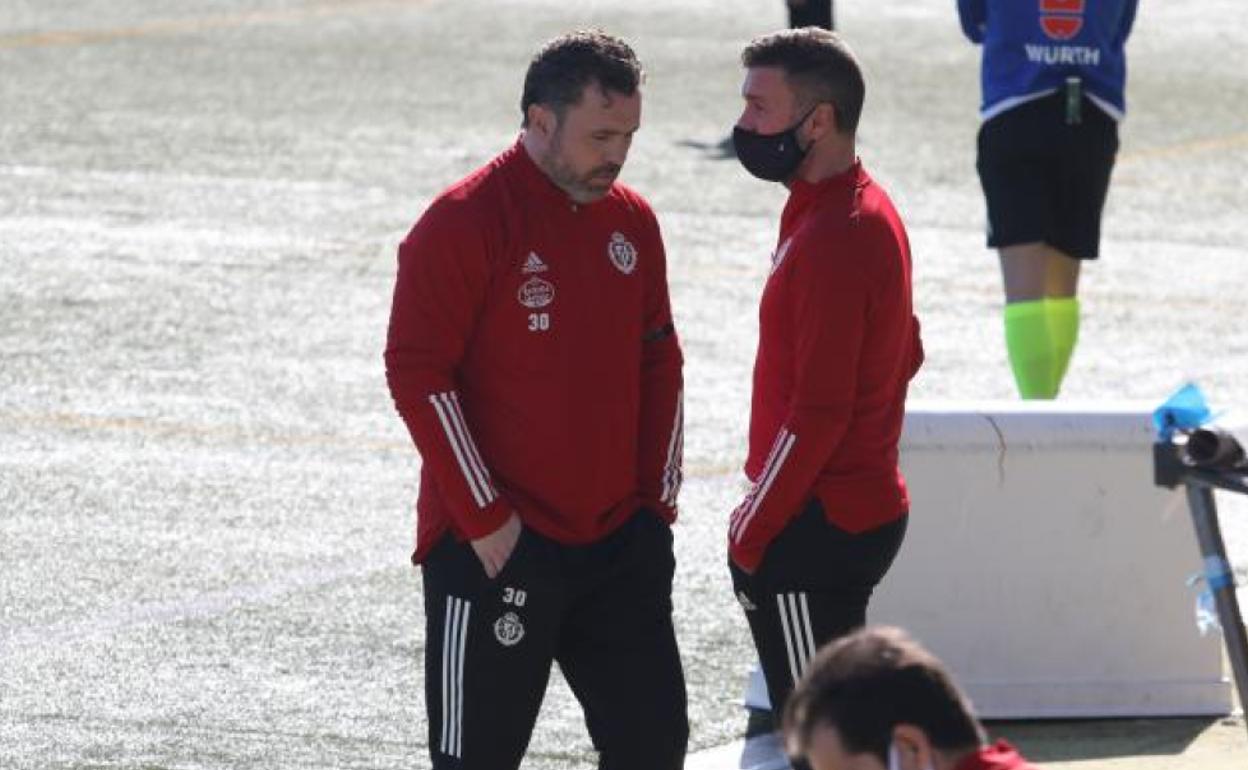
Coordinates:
(1033, 354)
(1063, 315)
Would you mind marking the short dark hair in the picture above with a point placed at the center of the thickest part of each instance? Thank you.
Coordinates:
(867, 683)
(818, 65)
(561, 70)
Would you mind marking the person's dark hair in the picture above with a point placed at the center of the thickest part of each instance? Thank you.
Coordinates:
(818, 66)
(559, 73)
(869, 682)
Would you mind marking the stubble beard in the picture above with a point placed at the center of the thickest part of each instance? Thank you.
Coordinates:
(582, 188)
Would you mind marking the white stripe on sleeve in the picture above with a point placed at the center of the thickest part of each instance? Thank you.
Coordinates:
(765, 483)
(741, 509)
(482, 472)
(447, 407)
(675, 453)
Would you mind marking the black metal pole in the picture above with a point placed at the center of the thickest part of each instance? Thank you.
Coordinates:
(1221, 581)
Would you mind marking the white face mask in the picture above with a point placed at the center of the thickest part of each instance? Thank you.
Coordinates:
(894, 758)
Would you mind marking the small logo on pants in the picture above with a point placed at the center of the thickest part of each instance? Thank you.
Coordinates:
(746, 604)
(509, 630)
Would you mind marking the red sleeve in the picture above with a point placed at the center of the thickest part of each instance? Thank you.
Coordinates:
(829, 298)
(661, 432)
(438, 295)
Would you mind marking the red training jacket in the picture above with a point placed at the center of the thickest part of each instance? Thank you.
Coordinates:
(838, 345)
(532, 355)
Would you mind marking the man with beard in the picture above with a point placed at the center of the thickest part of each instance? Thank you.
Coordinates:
(838, 345)
(532, 355)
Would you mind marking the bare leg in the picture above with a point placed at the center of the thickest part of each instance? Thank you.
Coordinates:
(1035, 271)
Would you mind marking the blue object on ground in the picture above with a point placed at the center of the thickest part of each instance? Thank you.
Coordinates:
(1184, 410)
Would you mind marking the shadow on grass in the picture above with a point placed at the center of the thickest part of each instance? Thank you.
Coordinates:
(1064, 741)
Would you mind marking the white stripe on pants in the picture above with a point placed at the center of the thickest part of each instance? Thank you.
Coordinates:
(799, 637)
(454, 644)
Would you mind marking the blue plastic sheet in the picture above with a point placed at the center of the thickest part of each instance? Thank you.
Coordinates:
(1186, 409)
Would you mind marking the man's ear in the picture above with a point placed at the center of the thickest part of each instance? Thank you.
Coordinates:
(914, 750)
(542, 120)
(823, 121)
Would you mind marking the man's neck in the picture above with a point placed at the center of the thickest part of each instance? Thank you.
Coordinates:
(826, 162)
(531, 144)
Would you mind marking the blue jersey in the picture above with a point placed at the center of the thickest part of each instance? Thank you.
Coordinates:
(1032, 46)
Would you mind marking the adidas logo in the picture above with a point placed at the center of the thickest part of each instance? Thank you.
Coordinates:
(534, 264)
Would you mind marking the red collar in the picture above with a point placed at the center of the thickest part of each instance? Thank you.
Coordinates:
(838, 189)
(853, 177)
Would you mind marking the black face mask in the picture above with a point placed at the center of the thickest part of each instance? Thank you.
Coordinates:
(773, 157)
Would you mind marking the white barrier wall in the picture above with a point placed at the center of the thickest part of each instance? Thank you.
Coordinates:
(1044, 566)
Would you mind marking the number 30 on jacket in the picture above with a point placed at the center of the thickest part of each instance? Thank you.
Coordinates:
(539, 322)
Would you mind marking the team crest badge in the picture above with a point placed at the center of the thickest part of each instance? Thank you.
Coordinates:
(1061, 19)
(509, 630)
(535, 293)
(623, 254)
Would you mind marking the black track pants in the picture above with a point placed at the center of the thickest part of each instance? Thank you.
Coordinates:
(812, 587)
(602, 611)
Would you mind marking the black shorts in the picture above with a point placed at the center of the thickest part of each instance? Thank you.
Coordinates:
(603, 612)
(1045, 180)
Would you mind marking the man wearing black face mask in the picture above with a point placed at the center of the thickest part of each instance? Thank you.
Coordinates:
(838, 345)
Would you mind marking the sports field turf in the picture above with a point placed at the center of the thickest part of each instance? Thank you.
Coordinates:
(205, 495)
